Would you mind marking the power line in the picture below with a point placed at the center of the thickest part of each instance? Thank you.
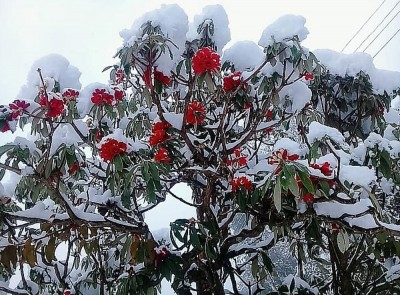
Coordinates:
(377, 26)
(384, 45)
(363, 25)
(381, 31)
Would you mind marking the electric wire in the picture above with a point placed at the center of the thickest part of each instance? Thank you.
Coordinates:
(359, 30)
(384, 45)
(373, 40)
(377, 26)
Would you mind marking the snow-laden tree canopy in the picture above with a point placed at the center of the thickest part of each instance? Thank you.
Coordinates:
(285, 151)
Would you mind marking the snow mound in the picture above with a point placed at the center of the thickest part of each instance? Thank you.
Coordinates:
(298, 93)
(351, 64)
(245, 55)
(285, 27)
(216, 13)
(173, 22)
(54, 67)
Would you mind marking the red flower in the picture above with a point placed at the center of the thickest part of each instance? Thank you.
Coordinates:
(205, 60)
(161, 126)
(308, 198)
(269, 115)
(6, 126)
(162, 156)
(196, 113)
(99, 135)
(160, 255)
(281, 156)
(119, 76)
(237, 183)
(247, 105)
(67, 292)
(70, 95)
(100, 96)
(118, 94)
(232, 82)
(18, 107)
(237, 160)
(158, 76)
(324, 168)
(268, 130)
(112, 148)
(335, 227)
(55, 106)
(73, 168)
(309, 76)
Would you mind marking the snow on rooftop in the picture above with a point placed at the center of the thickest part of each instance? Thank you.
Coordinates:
(173, 22)
(245, 55)
(53, 66)
(285, 27)
(351, 64)
(222, 33)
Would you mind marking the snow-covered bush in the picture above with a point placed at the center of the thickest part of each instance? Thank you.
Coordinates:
(279, 146)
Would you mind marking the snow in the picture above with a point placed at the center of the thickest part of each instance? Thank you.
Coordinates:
(335, 209)
(52, 66)
(298, 93)
(174, 119)
(65, 134)
(284, 28)
(173, 23)
(291, 146)
(222, 33)
(299, 283)
(40, 211)
(23, 143)
(358, 175)
(318, 131)
(351, 64)
(245, 55)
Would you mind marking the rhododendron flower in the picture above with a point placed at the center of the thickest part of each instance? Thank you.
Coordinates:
(205, 60)
(196, 113)
(99, 135)
(269, 115)
(119, 76)
(232, 82)
(281, 156)
(325, 168)
(70, 95)
(162, 156)
(159, 133)
(309, 76)
(242, 181)
(18, 107)
(100, 96)
(112, 148)
(55, 106)
(118, 94)
(268, 130)
(238, 160)
(161, 253)
(247, 105)
(73, 168)
(158, 76)
(335, 227)
(4, 126)
(308, 198)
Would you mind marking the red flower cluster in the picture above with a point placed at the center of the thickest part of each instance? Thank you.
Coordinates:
(308, 198)
(232, 82)
(269, 115)
(18, 107)
(101, 96)
(55, 106)
(196, 113)
(238, 160)
(118, 94)
(159, 133)
(237, 183)
(112, 148)
(309, 76)
(70, 95)
(205, 60)
(119, 76)
(324, 168)
(162, 156)
(281, 156)
(158, 76)
(160, 255)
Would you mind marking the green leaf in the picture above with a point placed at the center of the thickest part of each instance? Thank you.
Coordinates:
(194, 239)
(278, 195)
(210, 251)
(118, 163)
(267, 261)
(151, 191)
(6, 148)
(305, 179)
(343, 241)
(209, 82)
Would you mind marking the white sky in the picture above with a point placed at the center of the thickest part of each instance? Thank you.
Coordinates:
(87, 34)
